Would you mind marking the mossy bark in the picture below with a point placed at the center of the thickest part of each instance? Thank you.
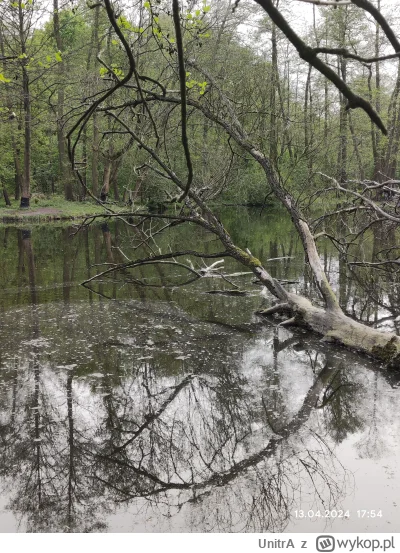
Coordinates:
(330, 322)
(334, 326)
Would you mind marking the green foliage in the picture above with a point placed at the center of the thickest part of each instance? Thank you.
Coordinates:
(268, 102)
(193, 83)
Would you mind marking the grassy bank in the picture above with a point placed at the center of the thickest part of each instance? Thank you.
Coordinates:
(55, 208)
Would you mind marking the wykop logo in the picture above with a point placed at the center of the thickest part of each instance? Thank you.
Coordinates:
(325, 544)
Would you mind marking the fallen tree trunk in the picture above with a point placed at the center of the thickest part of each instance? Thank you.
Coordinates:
(330, 322)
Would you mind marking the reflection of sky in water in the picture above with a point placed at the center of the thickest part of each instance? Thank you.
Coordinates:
(179, 411)
(241, 387)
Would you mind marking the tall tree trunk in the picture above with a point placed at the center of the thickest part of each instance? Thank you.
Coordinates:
(373, 128)
(393, 123)
(84, 161)
(14, 142)
(326, 103)
(273, 135)
(114, 178)
(64, 172)
(307, 122)
(6, 197)
(342, 70)
(378, 146)
(17, 167)
(356, 149)
(106, 180)
(342, 153)
(26, 181)
(96, 134)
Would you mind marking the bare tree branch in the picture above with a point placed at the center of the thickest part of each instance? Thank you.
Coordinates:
(182, 82)
(309, 55)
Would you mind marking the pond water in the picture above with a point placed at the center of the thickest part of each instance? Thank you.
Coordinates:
(164, 408)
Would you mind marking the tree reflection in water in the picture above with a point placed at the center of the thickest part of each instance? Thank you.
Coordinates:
(139, 404)
(73, 450)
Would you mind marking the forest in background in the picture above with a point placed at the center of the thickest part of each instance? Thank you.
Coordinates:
(57, 59)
